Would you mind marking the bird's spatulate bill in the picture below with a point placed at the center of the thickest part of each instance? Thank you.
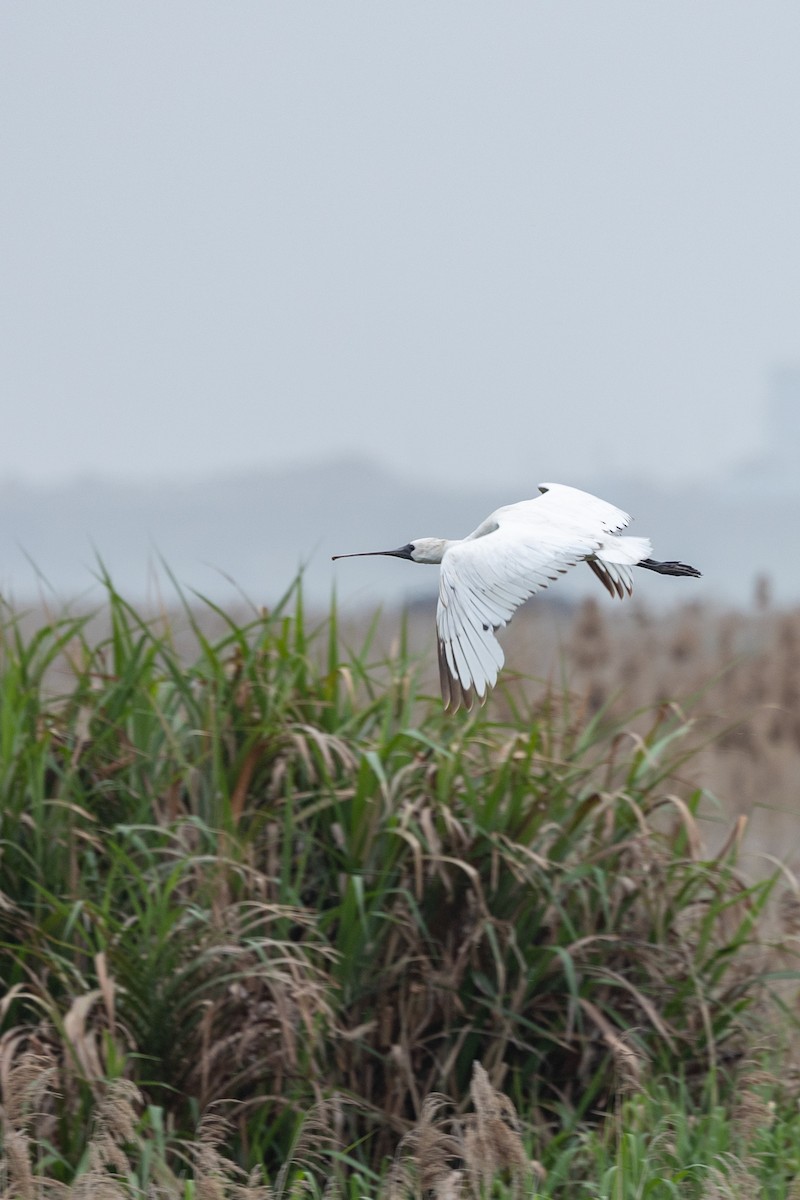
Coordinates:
(400, 552)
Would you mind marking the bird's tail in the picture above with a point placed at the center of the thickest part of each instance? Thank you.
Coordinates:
(613, 559)
(669, 568)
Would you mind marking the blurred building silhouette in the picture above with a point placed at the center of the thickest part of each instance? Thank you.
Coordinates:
(783, 411)
(776, 470)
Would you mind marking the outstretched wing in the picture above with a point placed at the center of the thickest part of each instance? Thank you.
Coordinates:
(516, 552)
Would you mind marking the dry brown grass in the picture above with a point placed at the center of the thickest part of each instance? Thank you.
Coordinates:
(114, 1149)
(736, 674)
(448, 1155)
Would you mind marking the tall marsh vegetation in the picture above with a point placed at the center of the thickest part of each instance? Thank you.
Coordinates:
(268, 905)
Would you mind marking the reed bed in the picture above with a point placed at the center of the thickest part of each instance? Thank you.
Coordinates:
(734, 674)
(272, 923)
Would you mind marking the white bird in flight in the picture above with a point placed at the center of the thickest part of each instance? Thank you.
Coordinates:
(518, 550)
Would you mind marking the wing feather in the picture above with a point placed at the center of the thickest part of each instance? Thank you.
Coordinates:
(607, 577)
(517, 551)
(588, 510)
(478, 649)
(454, 694)
(478, 595)
(446, 681)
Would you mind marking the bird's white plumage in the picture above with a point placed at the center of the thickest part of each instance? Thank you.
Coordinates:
(515, 552)
(518, 550)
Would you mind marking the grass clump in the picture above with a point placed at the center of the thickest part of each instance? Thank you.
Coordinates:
(272, 883)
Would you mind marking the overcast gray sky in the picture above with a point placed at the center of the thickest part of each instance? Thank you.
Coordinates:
(500, 239)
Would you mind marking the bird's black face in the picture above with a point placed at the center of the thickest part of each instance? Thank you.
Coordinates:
(406, 551)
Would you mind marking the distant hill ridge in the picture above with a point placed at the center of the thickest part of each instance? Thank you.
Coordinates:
(257, 528)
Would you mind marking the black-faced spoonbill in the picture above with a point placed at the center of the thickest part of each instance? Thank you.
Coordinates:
(517, 551)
